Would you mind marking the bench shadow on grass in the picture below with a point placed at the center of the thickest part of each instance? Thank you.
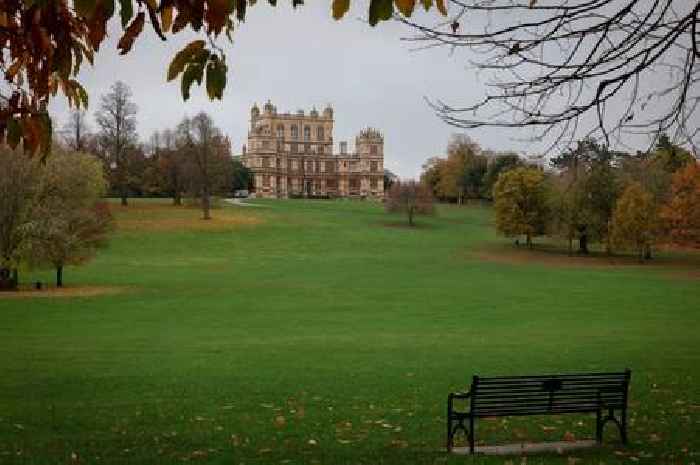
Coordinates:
(679, 263)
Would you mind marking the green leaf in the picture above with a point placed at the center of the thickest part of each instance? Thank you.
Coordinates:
(85, 8)
(340, 7)
(126, 11)
(216, 79)
(183, 57)
(380, 10)
(14, 132)
(82, 94)
(193, 73)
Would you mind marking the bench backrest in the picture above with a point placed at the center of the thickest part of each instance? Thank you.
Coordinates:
(548, 394)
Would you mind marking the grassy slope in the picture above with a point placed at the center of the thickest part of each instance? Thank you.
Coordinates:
(328, 322)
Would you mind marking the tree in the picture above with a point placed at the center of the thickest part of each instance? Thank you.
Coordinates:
(587, 188)
(241, 175)
(76, 131)
(681, 214)
(409, 197)
(17, 185)
(44, 44)
(389, 179)
(461, 152)
(671, 157)
(601, 67)
(68, 223)
(209, 156)
(520, 203)
(500, 162)
(431, 174)
(172, 165)
(635, 220)
(116, 118)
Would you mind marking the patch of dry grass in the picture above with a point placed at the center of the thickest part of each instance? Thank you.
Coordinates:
(163, 217)
(77, 291)
(680, 266)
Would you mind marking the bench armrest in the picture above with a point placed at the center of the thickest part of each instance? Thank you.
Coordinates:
(456, 395)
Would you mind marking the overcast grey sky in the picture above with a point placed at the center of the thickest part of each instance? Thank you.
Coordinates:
(298, 59)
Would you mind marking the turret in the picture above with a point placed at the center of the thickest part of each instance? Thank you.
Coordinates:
(328, 112)
(369, 143)
(254, 113)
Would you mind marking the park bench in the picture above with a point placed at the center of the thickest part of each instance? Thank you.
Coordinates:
(601, 393)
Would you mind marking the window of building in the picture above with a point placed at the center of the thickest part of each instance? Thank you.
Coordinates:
(278, 163)
(329, 166)
(266, 181)
(319, 133)
(354, 166)
(354, 183)
(307, 148)
(373, 183)
(373, 166)
(295, 131)
(266, 144)
(331, 184)
(280, 131)
(307, 133)
(266, 162)
(372, 149)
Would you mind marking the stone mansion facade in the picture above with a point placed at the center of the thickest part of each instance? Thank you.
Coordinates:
(292, 155)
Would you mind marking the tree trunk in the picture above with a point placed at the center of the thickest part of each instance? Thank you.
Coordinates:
(528, 240)
(647, 251)
(15, 277)
(177, 199)
(205, 203)
(410, 216)
(59, 276)
(583, 244)
(571, 246)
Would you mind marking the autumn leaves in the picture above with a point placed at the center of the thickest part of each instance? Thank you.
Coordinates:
(383, 10)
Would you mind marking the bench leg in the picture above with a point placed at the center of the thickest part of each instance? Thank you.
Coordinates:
(598, 427)
(449, 433)
(471, 435)
(623, 426)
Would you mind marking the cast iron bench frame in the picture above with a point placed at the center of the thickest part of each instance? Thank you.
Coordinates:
(542, 395)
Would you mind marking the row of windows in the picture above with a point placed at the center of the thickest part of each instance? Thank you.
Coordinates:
(314, 165)
(294, 129)
(353, 184)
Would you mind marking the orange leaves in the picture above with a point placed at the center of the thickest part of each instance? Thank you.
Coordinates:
(405, 6)
(166, 18)
(134, 29)
(217, 12)
(340, 7)
(681, 213)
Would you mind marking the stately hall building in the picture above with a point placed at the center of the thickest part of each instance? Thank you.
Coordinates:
(292, 155)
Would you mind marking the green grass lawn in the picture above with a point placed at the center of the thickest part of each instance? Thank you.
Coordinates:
(327, 332)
